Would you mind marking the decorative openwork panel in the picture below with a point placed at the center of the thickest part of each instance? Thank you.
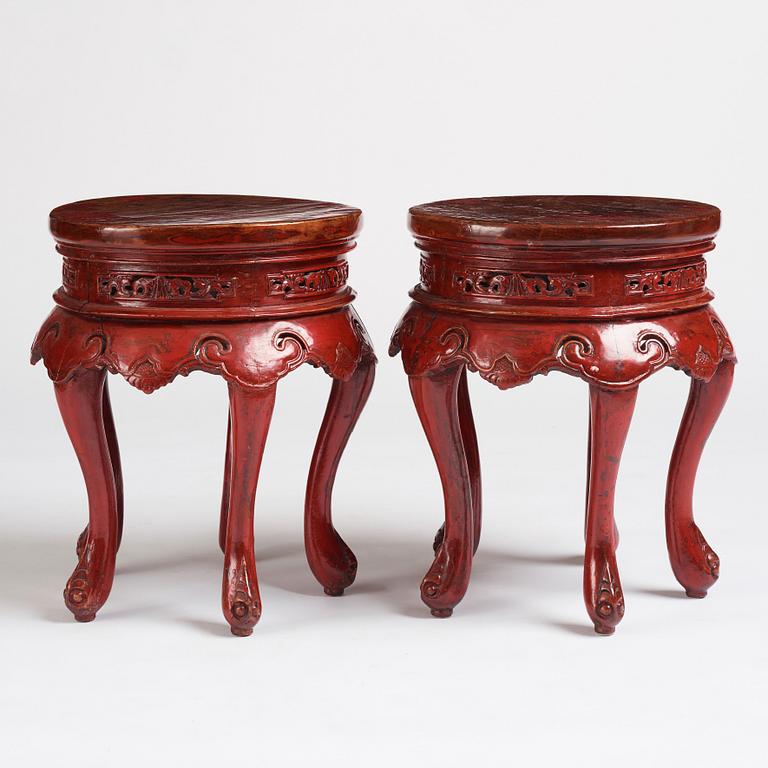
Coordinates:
(316, 281)
(654, 282)
(165, 287)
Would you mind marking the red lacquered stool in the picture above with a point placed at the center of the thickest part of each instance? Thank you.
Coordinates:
(245, 287)
(609, 289)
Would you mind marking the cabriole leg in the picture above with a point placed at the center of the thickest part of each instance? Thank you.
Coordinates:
(114, 454)
(610, 416)
(469, 438)
(589, 473)
(250, 415)
(81, 404)
(694, 563)
(225, 490)
(436, 399)
(331, 560)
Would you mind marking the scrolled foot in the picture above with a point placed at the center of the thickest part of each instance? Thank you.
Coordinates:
(339, 564)
(694, 562)
(85, 592)
(607, 600)
(444, 585)
(242, 605)
(698, 567)
(330, 559)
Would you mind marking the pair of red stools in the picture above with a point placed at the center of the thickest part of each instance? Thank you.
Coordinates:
(606, 288)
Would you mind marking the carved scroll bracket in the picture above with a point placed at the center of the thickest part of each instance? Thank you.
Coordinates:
(612, 354)
(252, 354)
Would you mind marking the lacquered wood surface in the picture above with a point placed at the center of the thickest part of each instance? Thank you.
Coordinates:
(565, 257)
(203, 257)
(606, 289)
(198, 221)
(247, 288)
(541, 220)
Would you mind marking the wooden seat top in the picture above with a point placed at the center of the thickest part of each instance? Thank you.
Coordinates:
(566, 220)
(203, 221)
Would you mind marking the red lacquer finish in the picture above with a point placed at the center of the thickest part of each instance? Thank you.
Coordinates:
(247, 288)
(609, 289)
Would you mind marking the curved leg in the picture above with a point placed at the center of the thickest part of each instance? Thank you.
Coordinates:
(330, 559)
(589, 474)
(226, 487)
(610, 416)
(114, 454)
(81, 404)
(250, 414)
(694, 563)
(469, 438)
(436, 399)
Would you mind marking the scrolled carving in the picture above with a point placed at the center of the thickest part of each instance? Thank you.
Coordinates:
(142, 287)
(654, 282)
(613, 354)
(609, 599)
(250, 353)
(315, 281)
(655, 346)
(489, 282)
(725, 347)
(711, 561)
(242, 599)
(77, 589)
(292, 341)
(210, 349)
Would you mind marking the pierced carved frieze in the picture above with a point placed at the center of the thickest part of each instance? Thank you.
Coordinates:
(426, 274)
(69, 274)
(614, 355)
(142, 287)
(483, 282)
(316, 281)
(657, 282)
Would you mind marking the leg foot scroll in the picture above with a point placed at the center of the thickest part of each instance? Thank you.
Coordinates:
(610, 416)
(694, 563)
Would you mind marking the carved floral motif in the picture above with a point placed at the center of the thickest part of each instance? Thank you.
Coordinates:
(654, 282)
(122, 285)
(483, 282)
(323, 280)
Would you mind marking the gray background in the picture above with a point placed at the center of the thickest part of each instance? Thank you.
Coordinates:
(380, 106)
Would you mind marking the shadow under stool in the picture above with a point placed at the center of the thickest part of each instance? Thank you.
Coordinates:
(609, 289)
(248, 288)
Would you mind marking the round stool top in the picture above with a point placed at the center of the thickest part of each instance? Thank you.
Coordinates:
(566, 220)
(567, 256)
(176, 257)
(163, 221)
